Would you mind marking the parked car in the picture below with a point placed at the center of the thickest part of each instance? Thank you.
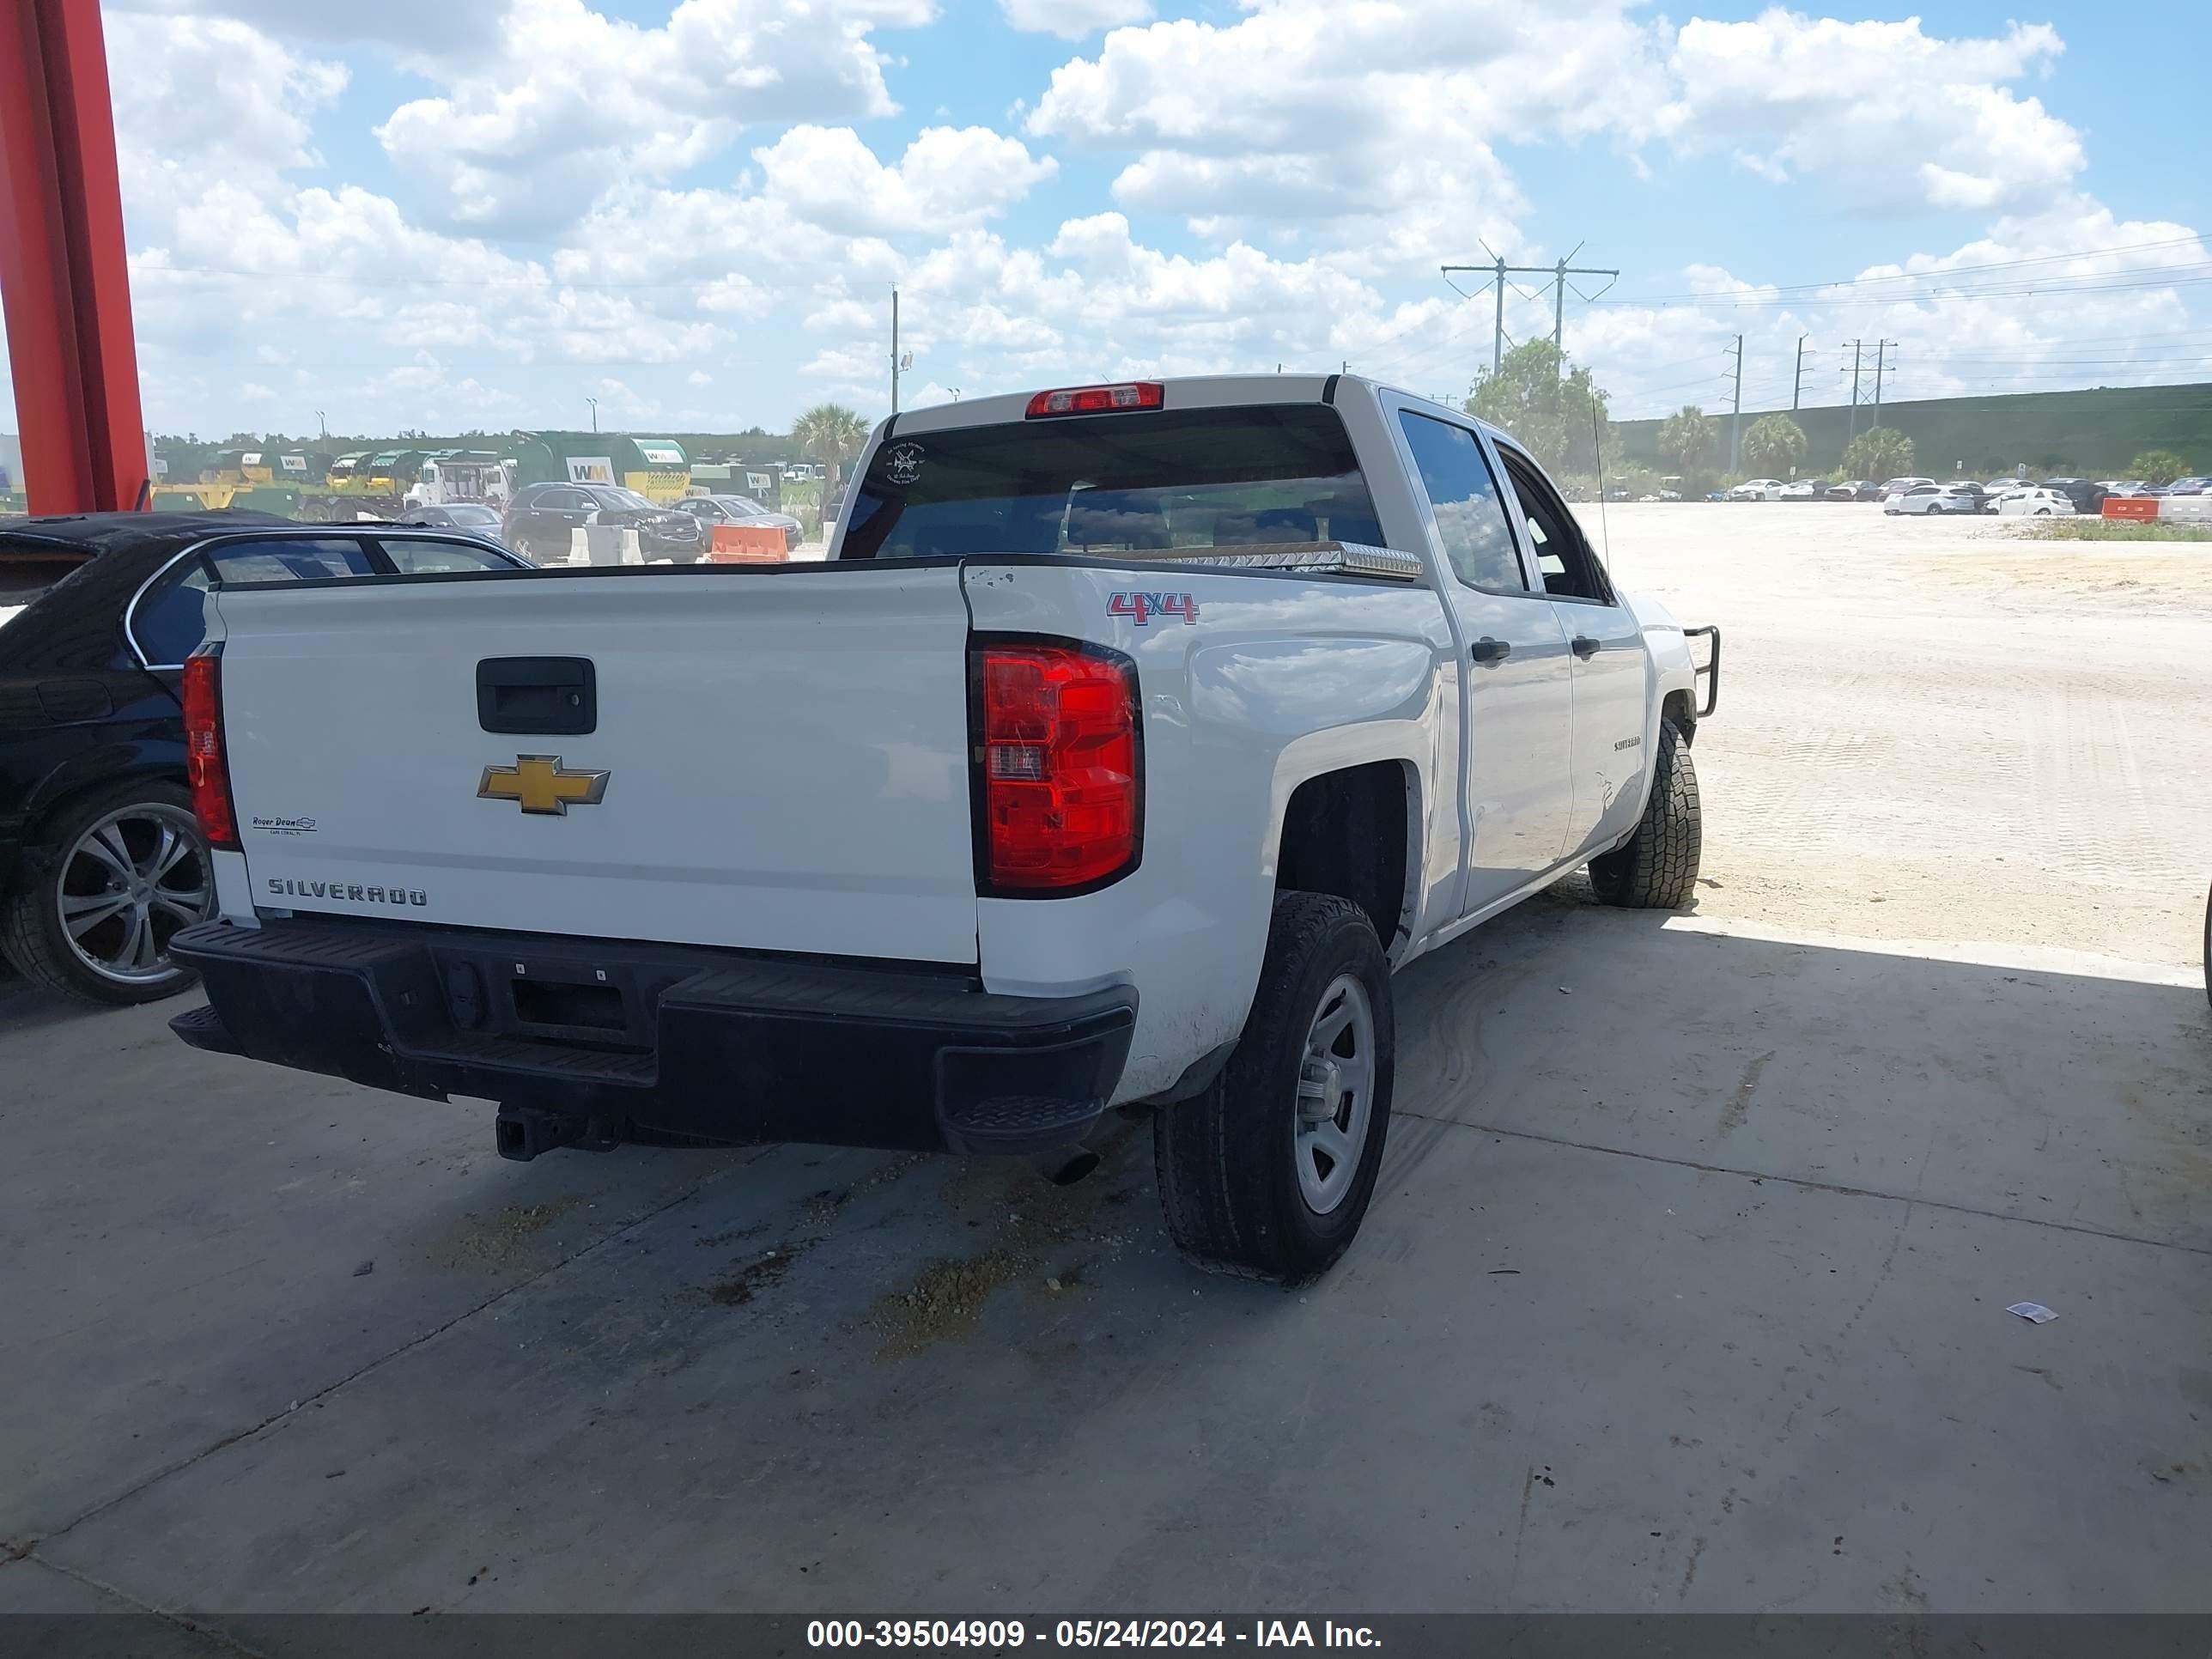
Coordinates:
(541, 517)
(2086, 495)
(711, 510)
(471, 516)
(1805, 490)
(2039, 502)
(1932, 498)
(1757, 489)
(2201, 485)
(1898, 486)
(1972, 487)
(100, 858)
(1850, 490)
(1090, 772)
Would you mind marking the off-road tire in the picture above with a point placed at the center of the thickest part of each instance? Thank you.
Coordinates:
(32, 935)
(1226, 1159)
(1658, 868)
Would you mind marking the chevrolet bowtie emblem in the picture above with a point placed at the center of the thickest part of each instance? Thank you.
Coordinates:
(541, 784)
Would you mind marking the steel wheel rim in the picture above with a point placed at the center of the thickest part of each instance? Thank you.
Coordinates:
(131, 880)
(1336, 1094)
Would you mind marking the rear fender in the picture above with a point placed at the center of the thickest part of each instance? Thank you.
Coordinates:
(1277, 679)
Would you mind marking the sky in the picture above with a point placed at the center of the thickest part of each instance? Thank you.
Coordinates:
(482, 215)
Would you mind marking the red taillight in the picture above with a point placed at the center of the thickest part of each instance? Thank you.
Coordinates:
(1059, 771)
(1096, 399)
(205, 767)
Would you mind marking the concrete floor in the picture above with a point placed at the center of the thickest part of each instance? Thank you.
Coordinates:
(1685, 1287)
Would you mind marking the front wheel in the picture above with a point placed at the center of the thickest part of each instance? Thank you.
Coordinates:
(1658, 868)
(1267, 1174)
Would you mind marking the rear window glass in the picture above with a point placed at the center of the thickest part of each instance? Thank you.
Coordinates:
(1115, 484)
(26, 574)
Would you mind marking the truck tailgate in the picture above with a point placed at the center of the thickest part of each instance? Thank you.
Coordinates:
(784, 752)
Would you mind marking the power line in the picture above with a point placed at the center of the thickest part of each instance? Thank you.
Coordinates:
(2174, 277)
(1916, 276)
(1499, 272)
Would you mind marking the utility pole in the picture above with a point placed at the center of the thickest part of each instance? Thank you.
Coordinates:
(325, 424)
(1498, 329)
(1853, 423)
(1498, 271)
(594, 403)
(1798, 381)
(1735, 418)
(895, 357)
(1880, 361)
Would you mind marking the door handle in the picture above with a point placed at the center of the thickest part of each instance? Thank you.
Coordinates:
(1487, 650)
(1584, 647)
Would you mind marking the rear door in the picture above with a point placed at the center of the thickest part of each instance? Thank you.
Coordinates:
(1516, 665)
(1611, 679)
(773, 759)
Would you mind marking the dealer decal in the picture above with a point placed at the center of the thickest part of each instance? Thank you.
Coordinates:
(1143, 607)
(902, 463)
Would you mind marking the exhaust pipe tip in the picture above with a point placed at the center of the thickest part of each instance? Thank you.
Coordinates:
(1066, 1166)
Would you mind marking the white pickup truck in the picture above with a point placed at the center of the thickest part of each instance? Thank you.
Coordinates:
(1128, 740)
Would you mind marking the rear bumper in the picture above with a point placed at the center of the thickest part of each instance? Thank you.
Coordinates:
(675, 1044)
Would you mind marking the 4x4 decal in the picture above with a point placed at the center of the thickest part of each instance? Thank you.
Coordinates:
(1143, 607)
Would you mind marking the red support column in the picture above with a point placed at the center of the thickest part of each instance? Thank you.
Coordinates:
(64, 280)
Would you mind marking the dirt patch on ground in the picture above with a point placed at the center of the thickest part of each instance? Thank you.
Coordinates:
(502, 1240)
(735, 1289)
(1031, 1226)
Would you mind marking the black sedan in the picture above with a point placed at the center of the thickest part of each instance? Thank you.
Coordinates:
(477, 520)
(100, 858)
(541, 518)
(711, 510)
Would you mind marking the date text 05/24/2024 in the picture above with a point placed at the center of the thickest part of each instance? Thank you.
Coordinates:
(1005, 1635)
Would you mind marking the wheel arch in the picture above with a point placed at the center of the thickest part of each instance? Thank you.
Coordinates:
(1354, 830)
(87, 774)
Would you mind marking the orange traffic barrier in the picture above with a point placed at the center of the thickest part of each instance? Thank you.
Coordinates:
(2132, 506)
(748, 544)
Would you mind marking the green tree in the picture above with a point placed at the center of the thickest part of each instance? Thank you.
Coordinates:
(2158, 466)
(1556, 413)
(1773, 445)
(1688, 438)
(1878, 452)
(832, 434)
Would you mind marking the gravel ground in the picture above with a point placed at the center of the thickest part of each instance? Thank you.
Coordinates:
(1946, 730)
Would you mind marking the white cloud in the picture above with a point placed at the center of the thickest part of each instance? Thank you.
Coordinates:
(556, 219)
(1887, 115)
(424, 27)
(1380, 121)
(576, 102)
(1376, 122)
(1073, 19)
(209, 99)
(949, 178)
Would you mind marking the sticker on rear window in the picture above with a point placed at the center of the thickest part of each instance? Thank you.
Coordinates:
(902, 463)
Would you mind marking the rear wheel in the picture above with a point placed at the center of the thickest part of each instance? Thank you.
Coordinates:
(119, 873)
(1268, 1173)
(1658, 868)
